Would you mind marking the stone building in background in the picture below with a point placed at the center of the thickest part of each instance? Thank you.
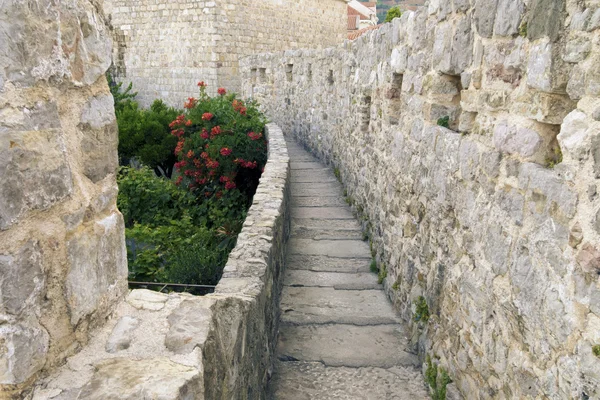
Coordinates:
(164, 48)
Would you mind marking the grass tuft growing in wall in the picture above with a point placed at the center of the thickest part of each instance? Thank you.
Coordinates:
(437, 379)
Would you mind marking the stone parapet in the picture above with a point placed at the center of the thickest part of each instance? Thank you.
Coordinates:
(179, 346)
(467, 136)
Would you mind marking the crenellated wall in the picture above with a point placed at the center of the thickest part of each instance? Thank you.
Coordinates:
(63, 262)
(494, 220)
(164, 48)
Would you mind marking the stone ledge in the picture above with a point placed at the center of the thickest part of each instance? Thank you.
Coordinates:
(178, 346)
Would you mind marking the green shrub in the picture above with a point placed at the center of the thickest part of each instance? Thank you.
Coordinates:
(164, 253)
(144, 135)
(182, 231)
(147, 199)
(392, 13)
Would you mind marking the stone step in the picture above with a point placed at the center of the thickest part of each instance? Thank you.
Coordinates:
(327, 225)
(321, 201)
(311, 305)
(322, 213)
(302, 165)
(315, 381)
(327, 264)
(316, 189)
(336, 280)
(331, 248)
(324, 172)
(301, 232)
(339, 345)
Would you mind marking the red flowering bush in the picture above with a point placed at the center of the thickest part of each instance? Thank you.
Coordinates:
(221, 146)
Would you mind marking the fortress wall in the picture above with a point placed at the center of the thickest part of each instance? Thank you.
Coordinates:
(63, 262)
(494, 220)
(165, 48)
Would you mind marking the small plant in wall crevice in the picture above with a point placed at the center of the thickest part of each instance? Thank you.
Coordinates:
(438, 379)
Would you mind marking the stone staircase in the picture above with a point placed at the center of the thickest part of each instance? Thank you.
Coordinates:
(339, 337)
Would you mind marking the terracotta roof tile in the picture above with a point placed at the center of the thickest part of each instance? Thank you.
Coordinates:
(359, 33)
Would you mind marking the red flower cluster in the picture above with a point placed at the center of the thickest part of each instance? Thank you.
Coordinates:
(254, 135)
(215, 131)
(177, 132)
(179, 146)
(180, 120)
(239, 107)
(207, 143)
(190, 103)
(246, 164)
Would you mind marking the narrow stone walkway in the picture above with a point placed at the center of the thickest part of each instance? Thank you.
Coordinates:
(339, 337)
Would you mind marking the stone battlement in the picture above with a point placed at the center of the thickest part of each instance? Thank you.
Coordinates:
(467, 137)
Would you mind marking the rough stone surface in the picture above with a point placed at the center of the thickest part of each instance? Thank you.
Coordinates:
(334, 323)
(492, 221)
(169, 346)
(216, 35)
(62, 249)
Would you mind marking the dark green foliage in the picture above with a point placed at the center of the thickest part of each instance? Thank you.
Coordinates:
(121, 98)
(438, 380)
(374, 267)
(149, 200)
(596, 350)
(392, 13)
(144, 135)
(422, 310)
(172, 236)
(444, 121)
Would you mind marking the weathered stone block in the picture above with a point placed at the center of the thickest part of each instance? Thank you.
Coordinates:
(189, 325)
(545, 70)
(508, 17)
(97, 267)
(546, 19)
(121, 336)
(576, 135)
(126, 379)
(22, 352)
(21, 279)
(34, 174)
(453, 46)
(548, 108)
(485, 16)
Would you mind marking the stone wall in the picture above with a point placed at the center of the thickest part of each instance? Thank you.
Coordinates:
(166, 47)
(62, 250)
(495, 220)
(181, 347)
